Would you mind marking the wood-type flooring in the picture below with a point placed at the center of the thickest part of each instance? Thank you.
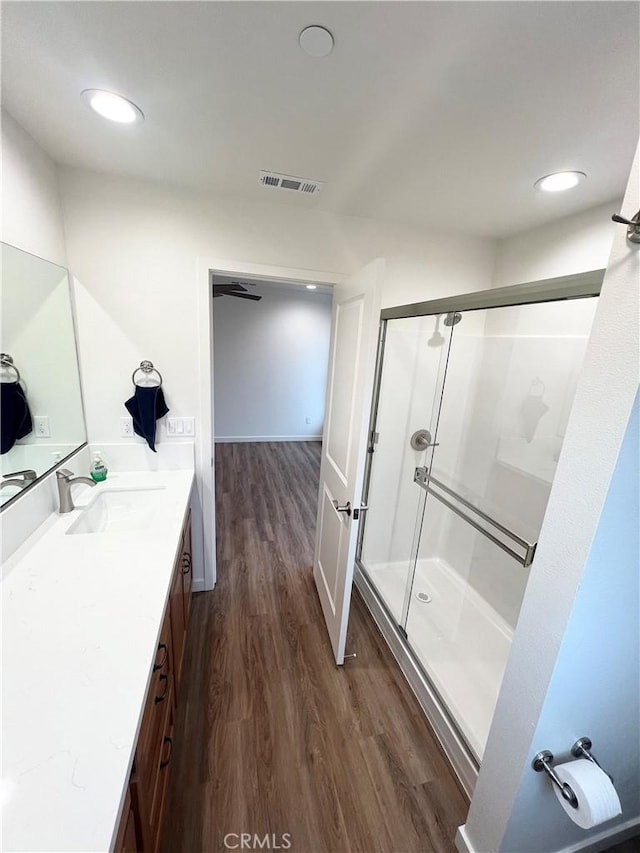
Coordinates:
(272, 739)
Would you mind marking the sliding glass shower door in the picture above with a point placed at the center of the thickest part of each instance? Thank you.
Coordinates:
(416, 350)
(452, 530)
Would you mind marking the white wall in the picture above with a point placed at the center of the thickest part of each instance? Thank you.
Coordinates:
(31, 213)
(140, 251)
(567, 246)
(134, 246)
(599, 659)
(597, 424)
(270, 362)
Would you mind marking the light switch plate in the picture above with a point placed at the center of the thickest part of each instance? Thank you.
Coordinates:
(181, 426)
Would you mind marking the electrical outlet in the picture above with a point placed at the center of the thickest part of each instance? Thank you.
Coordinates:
(307, 420)
(126, 427)
(41, 426)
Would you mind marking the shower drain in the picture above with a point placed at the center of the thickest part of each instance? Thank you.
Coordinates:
(424, 597)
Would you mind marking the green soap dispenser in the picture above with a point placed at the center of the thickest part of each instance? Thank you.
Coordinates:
(98, 470)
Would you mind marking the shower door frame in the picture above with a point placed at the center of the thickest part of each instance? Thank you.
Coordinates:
(580, 286)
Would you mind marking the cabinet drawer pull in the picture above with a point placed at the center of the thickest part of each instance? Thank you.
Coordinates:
(164, 763)
(161, 647)
(186, 563)
(158, 699)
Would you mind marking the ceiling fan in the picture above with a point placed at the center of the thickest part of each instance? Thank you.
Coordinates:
(234, 289)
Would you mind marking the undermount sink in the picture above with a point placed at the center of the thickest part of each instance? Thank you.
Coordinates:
(119, 510)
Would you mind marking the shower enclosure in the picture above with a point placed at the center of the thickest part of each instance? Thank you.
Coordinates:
(470, 407)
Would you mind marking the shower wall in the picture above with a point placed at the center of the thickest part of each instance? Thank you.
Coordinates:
(508, 396)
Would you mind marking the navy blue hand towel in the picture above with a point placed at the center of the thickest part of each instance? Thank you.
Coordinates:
(145, 407)
(15, 417)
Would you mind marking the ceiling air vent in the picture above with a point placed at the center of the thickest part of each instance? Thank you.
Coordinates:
(288, 182)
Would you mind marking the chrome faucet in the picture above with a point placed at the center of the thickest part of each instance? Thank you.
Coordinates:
(64, 488)
(21, 479)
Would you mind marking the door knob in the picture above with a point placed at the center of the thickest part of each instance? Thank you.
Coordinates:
(346, 508)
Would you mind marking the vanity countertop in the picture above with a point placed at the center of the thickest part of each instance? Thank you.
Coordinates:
(81, 617)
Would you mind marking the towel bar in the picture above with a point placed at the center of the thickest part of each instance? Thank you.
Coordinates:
(146, 367)
(7, 362)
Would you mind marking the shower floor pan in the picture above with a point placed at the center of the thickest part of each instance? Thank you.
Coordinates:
(461, 642)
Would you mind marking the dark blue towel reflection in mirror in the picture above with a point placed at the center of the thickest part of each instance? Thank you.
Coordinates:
(145, 407)
(15, 417)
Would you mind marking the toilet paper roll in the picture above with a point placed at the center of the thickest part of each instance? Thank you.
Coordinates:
(597, 798)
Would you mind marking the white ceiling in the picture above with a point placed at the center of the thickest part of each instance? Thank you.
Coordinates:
(437, 114)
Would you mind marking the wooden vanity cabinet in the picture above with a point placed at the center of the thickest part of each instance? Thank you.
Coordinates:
(127, 840)
(187, 572)
(142, 813)
(181, 602)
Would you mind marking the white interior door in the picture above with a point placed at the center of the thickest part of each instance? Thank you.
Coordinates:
(356, 310)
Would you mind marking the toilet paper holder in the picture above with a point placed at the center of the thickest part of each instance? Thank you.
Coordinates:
(543, 762)
(582, 749)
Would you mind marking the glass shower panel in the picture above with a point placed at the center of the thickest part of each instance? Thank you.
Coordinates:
(415, 357)
(510, 382)
(460, 640)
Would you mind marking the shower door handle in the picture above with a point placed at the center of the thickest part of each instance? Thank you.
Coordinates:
(358, 510)
(346, 508)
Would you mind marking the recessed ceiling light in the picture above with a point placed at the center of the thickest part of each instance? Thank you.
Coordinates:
(559, 181)
(316, 41)
(112, 106)
(311, 286)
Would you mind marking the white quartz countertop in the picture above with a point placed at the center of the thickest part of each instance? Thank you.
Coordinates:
(81, 617)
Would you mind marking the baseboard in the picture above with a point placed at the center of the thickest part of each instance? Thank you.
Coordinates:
(615, 835)
(463, 845)
(593, 844)
(245, 439)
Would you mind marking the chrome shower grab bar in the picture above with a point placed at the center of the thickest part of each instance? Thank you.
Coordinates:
(426, 482)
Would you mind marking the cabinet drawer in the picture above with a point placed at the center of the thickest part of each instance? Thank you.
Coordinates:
(162, 776)
(177, 625)
(158, 697)
(187, 568)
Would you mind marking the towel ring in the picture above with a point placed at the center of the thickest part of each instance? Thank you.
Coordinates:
(146, 367)
(7, 363)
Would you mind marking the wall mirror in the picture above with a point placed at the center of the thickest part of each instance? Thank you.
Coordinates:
(41, 413)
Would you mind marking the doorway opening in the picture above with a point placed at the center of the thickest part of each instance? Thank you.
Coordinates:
(271, 349)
